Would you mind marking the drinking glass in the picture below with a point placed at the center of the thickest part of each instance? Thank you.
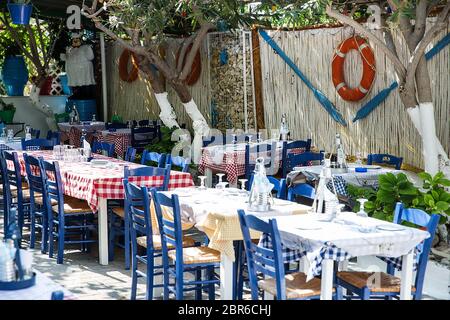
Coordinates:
(275, 135)
(202, 182)
(220, 175)
(243, 181)
(358, 158)
(249, 138)
(362, 213)
(10, 135)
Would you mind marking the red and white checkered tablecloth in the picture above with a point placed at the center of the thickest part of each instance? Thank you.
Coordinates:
(121, 139)
(83, 181)
(232, 162)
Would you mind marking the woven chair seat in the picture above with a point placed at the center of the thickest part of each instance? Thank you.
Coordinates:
(142, 241)
(26, 195)
(14, 188)
(378, 282)
(194, 255)
(40, 201)
(73, 205)
(296, 286)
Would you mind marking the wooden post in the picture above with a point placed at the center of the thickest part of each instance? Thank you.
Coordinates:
(257, 74)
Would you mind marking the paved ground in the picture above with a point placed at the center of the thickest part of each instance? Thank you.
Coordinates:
(88, 280)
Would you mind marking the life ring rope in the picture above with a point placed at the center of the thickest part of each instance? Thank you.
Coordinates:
(123, 66)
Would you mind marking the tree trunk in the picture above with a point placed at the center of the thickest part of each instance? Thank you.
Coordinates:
(199, 123)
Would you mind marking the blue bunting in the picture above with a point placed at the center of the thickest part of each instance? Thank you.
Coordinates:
(327, 104)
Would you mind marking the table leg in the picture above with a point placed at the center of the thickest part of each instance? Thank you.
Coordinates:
(226, 278)
(209, 176)
(407, 272)
(327, 279)
(103, 231)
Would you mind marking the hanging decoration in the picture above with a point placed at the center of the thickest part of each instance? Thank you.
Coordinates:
(368, 59)
(380, 97)
(323, 100)
(123, 66)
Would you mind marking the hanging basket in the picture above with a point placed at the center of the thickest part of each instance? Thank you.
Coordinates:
(20, 13)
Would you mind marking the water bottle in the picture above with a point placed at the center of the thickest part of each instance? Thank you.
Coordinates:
(28, 133)
(83, 137)
(3, 136)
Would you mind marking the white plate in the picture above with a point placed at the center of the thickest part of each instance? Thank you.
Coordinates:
(99, 162)
(388, 227)
(310, 226)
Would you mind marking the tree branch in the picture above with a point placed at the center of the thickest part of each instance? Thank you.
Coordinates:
(440, 25)
(195, 47)
(184, 48)
(41, 38)
(421, 19)
(400, 69)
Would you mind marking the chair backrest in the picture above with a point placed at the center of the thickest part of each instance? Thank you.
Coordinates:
(178, 161)
(287, 146)
(137, 208)
(143, 136)
(101, 147)
(53, 185)
(430, 223)
(150, 172)
(301, 189)
(170, 230)
(385, 159)
(279, 185)
(159, 158)
(38, 144)
(143, 123)
(130, 155)
(54, 135)
(264, 150)
(12, 175)
(36, 183)
(267, 261)
(57, 295)
(36, 133)
(301, 159)
(115, 125)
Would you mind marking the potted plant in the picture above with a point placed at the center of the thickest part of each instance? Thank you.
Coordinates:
(7, 112)
(14, 71)
(20, 11)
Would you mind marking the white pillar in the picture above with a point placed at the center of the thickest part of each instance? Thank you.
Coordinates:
(104, 86)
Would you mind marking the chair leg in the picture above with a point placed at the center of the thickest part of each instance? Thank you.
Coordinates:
(166, 277)
(51, 240)
(150, 275)
(60, 244)
(339, 293)
(127, 243)
(365, 293)
(134, 267)
(211, 287)
(198, 290)
(33, 229)
(44, 234)
(179, 280)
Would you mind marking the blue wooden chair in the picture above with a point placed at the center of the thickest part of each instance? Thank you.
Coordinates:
(119, 224)
(38, 209)
(130, 155)
(298, 160)
(38, 144)
(269, 262)
(70, 220)
(159, 158)
(103, 148)
(17, 192)
(57, 295)
(279, 186)
(301, 189)
(137, 202)
(181, 162)
(54, 135)
(389, 286)
(143, 136)
(287, 146)
(264, 150)
(385, 159)
(35, 133)
(186, 259)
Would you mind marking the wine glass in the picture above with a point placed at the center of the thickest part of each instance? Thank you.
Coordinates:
(258, 137)
(202, 182)
(243, 182)
(220, 176)
(234, 138)
(361, 212)
(10, 135)
(249, 138)
(358, 158)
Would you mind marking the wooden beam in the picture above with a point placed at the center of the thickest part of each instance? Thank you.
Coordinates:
(257, 75)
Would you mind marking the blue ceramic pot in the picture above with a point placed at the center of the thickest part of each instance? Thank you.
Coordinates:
(14, 75)
(20, 13)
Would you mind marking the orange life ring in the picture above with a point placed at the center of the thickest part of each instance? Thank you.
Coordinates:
(196, 69)
(368, 58)
(123, 66)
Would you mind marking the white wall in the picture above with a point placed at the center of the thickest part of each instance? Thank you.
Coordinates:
(27, 113)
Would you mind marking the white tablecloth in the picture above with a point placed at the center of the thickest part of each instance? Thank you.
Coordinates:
(42, 290)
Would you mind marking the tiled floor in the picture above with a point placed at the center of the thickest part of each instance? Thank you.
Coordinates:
(88, 280)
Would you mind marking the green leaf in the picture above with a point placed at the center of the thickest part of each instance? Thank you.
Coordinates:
(442, 206)
(410, 191)
(438, 176)
(425, 176)
(402, 177)
(387, 186)
(435, 195)
(444, 182)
